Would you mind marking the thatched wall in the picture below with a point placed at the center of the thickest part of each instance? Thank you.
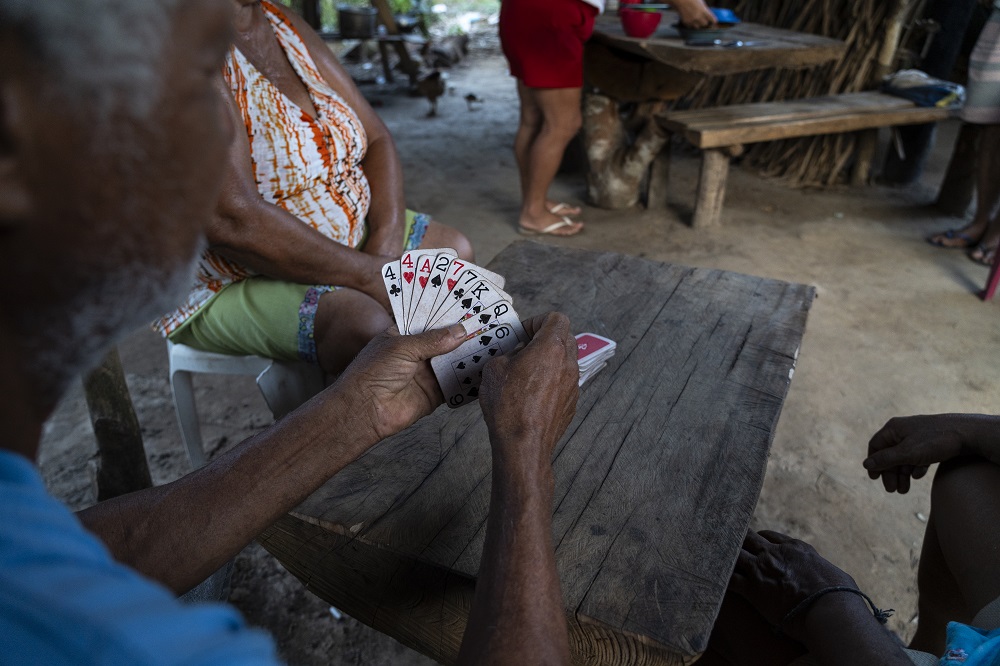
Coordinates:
(862, 24)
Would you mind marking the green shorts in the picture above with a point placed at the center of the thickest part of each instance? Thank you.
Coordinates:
(261, 316)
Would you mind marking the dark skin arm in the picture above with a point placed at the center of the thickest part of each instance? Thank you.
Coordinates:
(528, 400)
(774, 573)
(905, 447)
(182, 532)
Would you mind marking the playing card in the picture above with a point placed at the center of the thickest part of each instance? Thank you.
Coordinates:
(584, 376)
(460, 372)
(393, 279)
(470, 290)
(592, 353)
(423, 264)
(453, 275)
(408, 264)
(429, 291)
(592, 347)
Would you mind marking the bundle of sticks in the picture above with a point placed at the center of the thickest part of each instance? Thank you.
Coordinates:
(871, 30)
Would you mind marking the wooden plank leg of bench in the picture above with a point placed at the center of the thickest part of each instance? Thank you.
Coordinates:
(711, 188)
(659, 174)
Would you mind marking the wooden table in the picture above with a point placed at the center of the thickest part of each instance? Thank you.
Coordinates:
(656, 479)
(649, 73)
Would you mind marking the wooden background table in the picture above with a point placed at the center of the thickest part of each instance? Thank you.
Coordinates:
(655, 481)
(630, 83)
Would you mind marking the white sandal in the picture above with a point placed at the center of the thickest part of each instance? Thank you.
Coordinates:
(547, 231)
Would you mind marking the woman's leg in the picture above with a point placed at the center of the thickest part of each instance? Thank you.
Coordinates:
(561, 120)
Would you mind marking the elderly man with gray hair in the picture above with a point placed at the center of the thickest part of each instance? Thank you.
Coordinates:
(112, 147)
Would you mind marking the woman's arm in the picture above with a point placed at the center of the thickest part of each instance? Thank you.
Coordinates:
(386, 217)
(271, 241)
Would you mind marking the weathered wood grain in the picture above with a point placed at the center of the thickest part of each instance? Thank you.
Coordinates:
(656, 479)
(753, 123)
(766, 47)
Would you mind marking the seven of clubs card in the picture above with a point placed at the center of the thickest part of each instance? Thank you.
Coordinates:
(435, 289)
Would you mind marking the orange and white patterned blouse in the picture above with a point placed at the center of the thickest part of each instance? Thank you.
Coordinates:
(311, 167)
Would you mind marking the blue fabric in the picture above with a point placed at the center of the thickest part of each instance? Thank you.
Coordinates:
(64, 600)
(968, 646)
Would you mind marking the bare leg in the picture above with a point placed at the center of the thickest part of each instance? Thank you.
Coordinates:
(984, 225)
(960, 562)
(550, 117)
(441, 235)
(346, 321)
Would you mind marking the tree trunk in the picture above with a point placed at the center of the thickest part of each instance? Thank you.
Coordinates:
(122, 466)
(619, 163)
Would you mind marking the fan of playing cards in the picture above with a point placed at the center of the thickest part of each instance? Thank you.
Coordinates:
(435, 289)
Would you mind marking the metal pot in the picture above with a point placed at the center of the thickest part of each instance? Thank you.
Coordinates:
(356, 22)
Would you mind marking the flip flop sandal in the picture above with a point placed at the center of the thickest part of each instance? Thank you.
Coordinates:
(548, 231)
(983, 255)
(562, 206)
(952, 234)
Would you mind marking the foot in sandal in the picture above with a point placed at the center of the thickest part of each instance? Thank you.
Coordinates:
(964, 238)
(548, 224)
(562, 208)
(985, 253)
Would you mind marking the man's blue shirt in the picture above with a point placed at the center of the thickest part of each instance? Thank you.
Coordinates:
(64, 600)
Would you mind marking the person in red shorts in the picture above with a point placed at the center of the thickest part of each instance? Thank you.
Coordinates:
(543, 42)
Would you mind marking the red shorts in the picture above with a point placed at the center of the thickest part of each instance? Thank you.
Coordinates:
(543, 40)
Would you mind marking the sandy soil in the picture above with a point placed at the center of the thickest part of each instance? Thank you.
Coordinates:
(895, 330)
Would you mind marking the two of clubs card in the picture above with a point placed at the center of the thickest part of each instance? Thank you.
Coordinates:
(592, 353)
(434, 289)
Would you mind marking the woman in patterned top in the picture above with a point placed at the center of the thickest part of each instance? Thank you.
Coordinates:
(311, 210)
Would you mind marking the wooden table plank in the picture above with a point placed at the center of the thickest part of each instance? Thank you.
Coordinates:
(656, 479)
(767, 47)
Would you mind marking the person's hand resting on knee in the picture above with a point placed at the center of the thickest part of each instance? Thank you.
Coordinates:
(906, 447)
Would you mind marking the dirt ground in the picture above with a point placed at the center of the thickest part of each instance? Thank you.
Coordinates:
(895, 330)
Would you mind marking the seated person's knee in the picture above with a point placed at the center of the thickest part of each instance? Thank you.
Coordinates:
(346, 321)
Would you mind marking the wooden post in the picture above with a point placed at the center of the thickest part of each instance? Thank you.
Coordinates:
(310, 12)
(711, 188)
(122, 466)
(868, 141)
(387, 18)
(617, 164)
(659, 176)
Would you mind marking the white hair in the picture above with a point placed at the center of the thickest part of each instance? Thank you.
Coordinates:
(103, 62)
(98, 54)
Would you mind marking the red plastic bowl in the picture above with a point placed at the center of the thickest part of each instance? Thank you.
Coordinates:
(638, 23)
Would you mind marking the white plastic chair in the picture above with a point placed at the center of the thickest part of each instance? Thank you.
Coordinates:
(285, 385)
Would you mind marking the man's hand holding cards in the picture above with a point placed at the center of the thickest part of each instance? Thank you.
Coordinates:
(435, 289)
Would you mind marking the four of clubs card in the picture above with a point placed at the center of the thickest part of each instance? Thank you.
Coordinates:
(435, 289)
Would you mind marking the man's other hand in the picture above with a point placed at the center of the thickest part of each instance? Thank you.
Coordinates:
(905, 447)
(391, 384)
(529, 397)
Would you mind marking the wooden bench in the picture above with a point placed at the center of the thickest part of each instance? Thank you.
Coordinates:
(721, 132)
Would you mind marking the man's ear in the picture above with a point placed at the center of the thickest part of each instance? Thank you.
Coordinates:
(15, 195)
